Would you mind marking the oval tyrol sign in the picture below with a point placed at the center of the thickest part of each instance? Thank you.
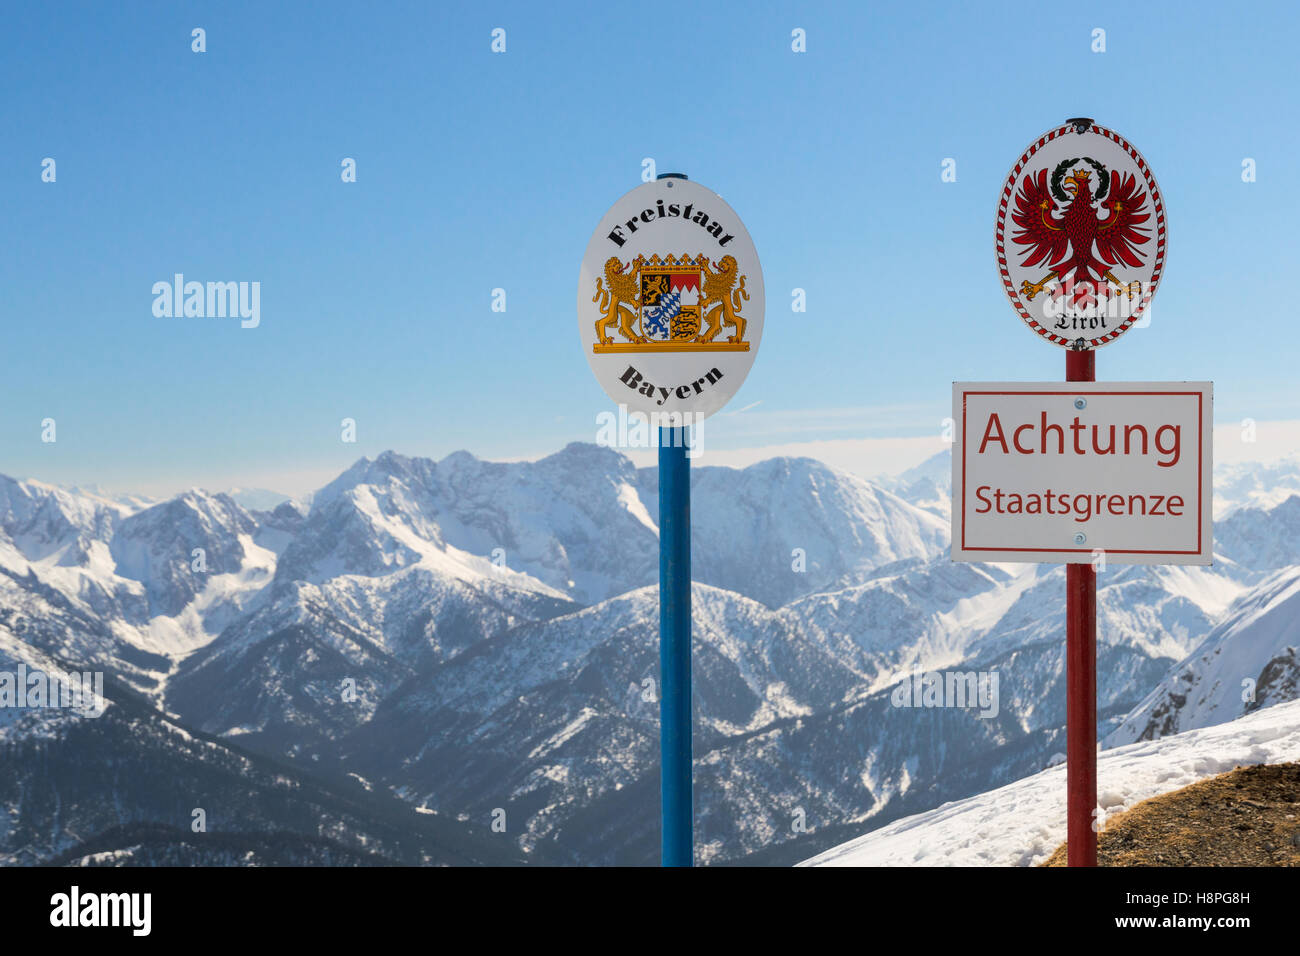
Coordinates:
(670, 300)
(1081, 235)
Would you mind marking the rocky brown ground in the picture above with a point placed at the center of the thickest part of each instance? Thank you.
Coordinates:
(1247, 817)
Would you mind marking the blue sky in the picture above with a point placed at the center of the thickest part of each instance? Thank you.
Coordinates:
(479, 171)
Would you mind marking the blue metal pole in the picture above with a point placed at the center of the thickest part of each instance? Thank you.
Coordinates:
(676, 790)
(675, 648)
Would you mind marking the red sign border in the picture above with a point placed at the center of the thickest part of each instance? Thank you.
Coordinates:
(1161, 237)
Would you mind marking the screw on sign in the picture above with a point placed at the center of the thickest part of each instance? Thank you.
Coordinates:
(670, 314)
(1081, 239)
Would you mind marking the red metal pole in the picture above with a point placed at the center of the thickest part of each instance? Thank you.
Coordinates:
(1081, 679)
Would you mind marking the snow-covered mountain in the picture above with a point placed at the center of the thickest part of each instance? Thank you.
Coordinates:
(472, 636)
(46, 523)
(571, 524)
(129, 784)
(928, 485)
(175, 547)
(1255, 484)
(1261, 538)
(805, 527)
(1249, 661)
(258, 499)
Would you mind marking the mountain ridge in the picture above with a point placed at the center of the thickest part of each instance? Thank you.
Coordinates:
(500, 618)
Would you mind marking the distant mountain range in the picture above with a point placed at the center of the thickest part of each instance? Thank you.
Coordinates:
(454, 661)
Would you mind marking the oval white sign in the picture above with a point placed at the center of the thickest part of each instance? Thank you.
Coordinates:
(1081, 235)
(670, 301)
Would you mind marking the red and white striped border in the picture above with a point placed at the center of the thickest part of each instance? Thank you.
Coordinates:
(1154, 190)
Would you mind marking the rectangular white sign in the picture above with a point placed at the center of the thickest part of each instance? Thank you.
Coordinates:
(1063, 472)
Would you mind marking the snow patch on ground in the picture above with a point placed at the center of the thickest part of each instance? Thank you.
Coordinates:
(1022, 823)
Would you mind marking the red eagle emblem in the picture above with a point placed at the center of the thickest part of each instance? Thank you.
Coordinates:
(1061, 227)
